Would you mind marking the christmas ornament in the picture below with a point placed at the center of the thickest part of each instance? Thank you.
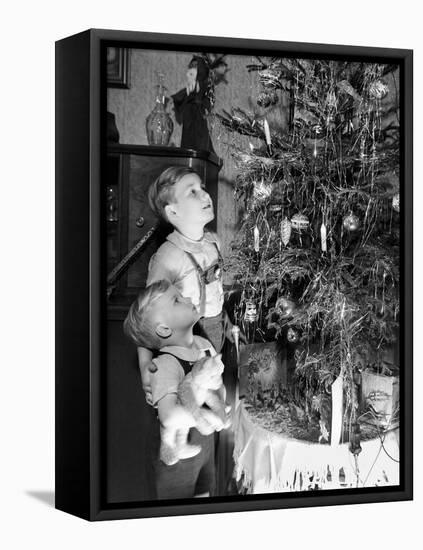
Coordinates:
(292, 335)
(331, 99)
(299, 222)
(267, 98)
(235, 334)
(267, 133)
(261, 191)
(256, 239)
(346, 87)
(317, 129)
(378, 89)
(285, 306)
(355, 439)
(323, 237)
(275, 208)
(269, 78)
(351, 222)
(286, 229)
(244, 158)
(250, 314)
(396, 202)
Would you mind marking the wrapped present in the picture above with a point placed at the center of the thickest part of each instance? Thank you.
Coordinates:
(262, 371)
(380, 397)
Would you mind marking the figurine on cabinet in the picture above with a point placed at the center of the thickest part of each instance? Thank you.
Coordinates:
(194, 102)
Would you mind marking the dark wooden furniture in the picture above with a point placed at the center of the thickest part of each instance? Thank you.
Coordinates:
(131, 428)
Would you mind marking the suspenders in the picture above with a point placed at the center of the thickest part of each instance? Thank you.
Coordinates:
(205, 276)
(186, 365)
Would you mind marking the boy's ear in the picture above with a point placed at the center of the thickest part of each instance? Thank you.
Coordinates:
(170, 211)
(163, 331)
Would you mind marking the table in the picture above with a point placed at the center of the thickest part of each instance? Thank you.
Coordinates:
(267, 462)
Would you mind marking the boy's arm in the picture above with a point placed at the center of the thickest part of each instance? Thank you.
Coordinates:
(165, 264)
(147, 367)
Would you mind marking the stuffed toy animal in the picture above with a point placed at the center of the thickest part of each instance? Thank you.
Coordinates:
(200, 404)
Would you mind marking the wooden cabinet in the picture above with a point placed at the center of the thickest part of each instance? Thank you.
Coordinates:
(132, 436)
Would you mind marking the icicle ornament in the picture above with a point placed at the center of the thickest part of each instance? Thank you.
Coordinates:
(235, 333)
(267, 133)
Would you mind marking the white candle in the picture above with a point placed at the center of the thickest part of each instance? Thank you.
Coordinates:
(323, 236)
(267, 133)
(256, 239)
(235, 333)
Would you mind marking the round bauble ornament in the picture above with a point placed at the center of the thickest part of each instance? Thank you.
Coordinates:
(351, 222)
(396, 202)
(244, 158)
(275, 208)
(250, 314)
(299, 222)
(267, 98)
(285, 306)
(378, 89)
(261, 191)
(292, 335)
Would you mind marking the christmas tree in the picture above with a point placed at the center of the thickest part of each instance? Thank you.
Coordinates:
(317, 253)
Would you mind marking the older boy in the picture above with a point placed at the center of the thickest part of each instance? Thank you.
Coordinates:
(162, 319)
(190, 258)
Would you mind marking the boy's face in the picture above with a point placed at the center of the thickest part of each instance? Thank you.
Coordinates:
(174, 312)
(192, 203)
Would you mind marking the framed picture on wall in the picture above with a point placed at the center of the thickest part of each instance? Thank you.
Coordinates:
(118, 67)
(234, 281)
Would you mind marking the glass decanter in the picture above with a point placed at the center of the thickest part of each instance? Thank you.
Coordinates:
(159, 123)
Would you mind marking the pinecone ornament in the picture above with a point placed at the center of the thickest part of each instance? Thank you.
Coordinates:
(286, 229)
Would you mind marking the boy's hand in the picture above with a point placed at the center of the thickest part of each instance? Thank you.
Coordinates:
(192, 83)
(208, 422)
(146, 371)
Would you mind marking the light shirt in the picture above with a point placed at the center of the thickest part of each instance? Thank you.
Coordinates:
(169, 373)
(171, 263)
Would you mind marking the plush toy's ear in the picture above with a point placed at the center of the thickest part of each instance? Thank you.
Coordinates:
(163, 331)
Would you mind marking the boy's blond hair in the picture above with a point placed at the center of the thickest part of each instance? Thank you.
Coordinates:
(137, 325)
(160, 192)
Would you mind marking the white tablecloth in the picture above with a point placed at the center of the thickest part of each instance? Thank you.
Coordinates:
(271, 463)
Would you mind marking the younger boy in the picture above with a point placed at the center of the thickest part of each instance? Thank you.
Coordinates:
(162, 319)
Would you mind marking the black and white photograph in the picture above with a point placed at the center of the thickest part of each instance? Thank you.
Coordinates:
(252, 206)
(211, 275)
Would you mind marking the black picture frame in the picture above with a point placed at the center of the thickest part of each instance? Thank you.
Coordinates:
(118, 67)
(81, 279)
